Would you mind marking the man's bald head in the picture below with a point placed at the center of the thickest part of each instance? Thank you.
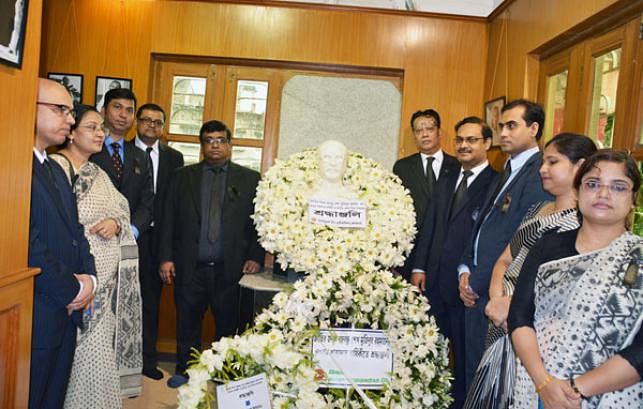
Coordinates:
(53, 117)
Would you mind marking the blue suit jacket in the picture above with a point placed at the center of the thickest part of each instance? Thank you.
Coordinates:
(503, 219)
(57, 245)
(445, 234)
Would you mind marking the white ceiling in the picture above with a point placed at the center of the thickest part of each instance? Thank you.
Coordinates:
(479, 8)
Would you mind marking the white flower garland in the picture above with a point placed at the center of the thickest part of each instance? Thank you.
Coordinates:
(347, 285)
(282, 222)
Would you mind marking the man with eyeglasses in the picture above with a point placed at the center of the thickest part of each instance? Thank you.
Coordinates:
(127, 167)
(208, 241)
(150, 119)
(422, 171)
(518, 188)
(446, 230)
(57, 245)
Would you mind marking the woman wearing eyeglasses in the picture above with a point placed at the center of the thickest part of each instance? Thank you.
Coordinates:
(493, 383)
(108, 351)
(575, 317)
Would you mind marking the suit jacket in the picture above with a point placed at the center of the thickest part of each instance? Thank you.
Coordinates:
(136, 184)
(503, 219)
(445, 233)
(411, 171)
(181, 223)
(57, 245)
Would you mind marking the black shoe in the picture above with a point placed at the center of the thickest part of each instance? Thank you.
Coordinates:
(177, 380)
(152, 372)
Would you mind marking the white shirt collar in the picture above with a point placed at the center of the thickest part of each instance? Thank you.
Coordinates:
(477, 169)
(41, 156)
(141, 145)
(519, 160)
(438, 155)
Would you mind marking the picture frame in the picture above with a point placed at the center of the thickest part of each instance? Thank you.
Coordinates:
(104, 84)
(492, 111)
(73, 83)
(13, 24)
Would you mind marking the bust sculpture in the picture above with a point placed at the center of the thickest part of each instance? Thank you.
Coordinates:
(333, 157)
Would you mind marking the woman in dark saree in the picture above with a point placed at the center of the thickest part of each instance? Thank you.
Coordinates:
(575, 318)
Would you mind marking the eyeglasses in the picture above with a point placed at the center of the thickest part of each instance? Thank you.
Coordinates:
(468, 139)
(151, 122)
(616, 188)
(215, 141)
(60, 109)
(94, 128)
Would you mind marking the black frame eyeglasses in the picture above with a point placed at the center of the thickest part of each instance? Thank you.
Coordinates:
(61, 109)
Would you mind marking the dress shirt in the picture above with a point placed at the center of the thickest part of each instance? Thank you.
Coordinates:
(121, 151)
(517, 162)
(477, 170)
(154, 155)
(437, 162)
(208, 251)
(42, 157)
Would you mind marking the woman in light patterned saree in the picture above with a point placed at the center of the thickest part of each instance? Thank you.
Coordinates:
(108, 359)
(493, 383)
(575, 318)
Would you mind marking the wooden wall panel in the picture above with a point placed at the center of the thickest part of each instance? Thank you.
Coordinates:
(17, 115)
(522, 27)
(444, 59)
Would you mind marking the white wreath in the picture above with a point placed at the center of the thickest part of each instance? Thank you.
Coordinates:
(282, 223)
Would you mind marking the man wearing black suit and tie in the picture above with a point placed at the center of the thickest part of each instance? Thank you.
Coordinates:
(150, 119)
(127, 166)
(423, 171)
(57, 245)
(519, 187)
(446, 229)
(208, 241)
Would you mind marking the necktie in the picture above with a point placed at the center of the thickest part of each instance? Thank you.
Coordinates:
(214, 225)
(461, 190)
(116, 158)
(428, 173)
(504, 176)
(151, 165)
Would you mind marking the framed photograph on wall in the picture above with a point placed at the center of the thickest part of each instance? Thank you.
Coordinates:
(104, 84)
(13, 22)
(73, 83)
(492, 117)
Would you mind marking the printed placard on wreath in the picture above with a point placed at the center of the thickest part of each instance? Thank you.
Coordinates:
(337, 213)
(349, 357)
(248, 393)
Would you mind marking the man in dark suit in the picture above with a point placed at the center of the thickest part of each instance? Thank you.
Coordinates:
(208, 241)
(150, 119)
(519, 187)
(423, 171)
(57, 245)
(446, 230)
(127, 166)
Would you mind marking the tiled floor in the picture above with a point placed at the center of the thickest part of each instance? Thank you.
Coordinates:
(156, 394)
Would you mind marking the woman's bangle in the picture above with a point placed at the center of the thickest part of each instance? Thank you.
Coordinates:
(572, 383)
(118, 226)
(544, 383)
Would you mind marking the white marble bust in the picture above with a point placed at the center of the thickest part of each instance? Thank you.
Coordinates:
(333, 157)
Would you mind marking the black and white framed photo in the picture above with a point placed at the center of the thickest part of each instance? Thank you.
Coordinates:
(104, 84)
(492, 117)
(73, 83)
(13, 23)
